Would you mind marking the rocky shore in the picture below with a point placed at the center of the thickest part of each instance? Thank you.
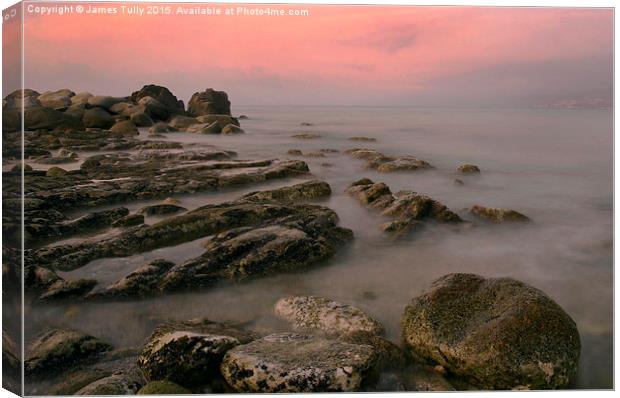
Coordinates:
(465, 332)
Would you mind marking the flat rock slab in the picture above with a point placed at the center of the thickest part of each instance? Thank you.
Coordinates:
(320, 314)
(496, 333)
(291, 362)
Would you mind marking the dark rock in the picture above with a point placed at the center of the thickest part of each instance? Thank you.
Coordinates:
(141, 119)
(41, 118)
(289, 362)
(63, 289)
(204, 128)
(363, 139)
(182, 122)
(160, 128)
(125, 127)
(295, 152)
(140, 283)
(161, 209)
(155, 109)
(59, 349)
(498, 215)
(209, 102)
(497, 333)
(162, 95)
(309, 190)
(163, 387)
(242, 117)
(306, 136)
(232, 129)
(458, 182)
(129, 220)
(468, 169)
(387, 164)
(104, 102)
(97, 118)
(14, 100)
(189, 353)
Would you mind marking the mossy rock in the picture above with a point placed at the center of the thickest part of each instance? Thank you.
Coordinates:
(162, 387)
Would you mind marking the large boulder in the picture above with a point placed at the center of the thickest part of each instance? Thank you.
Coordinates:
(81, 98)
(104, 101)
(496, 333)
(56, 99)
(125, 127)
(141, 119)
(162, 95)
(14, 99)
(97, 118)
(209, 102)
(291, 362)
(60, 349)
(41, 118)
(190, 352)
(320, 314)
(155, 109)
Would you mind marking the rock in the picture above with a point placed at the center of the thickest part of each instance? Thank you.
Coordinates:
(161, 209)
(56, 99)
(314, 155)
(312, 314)
(242, 117)
(163, 96)
(222, 120)
(189, 353)
(290, 362)
(309, 190)
(306, 136)
(411, 205)
(424, 378)
(73, 382)
(209, 102)
(18, 168)
(41, 118)
(97, 118)
(458, 182)
(105, 102)
(389, 355)
(182, 122)
(76, 111)
(171, 201)
(387, 164)
(116, 384)
(496, 215)
(468, 169)
(55, 172)
(295, 152)
(232, 129)
(305, 124)
(163, 387)
(400, 228)
(370, 194)
(155, 109)
(14, 100)
(204, 128)
(129, 221)
(63, 152)
(64, 289)
(140, 283)
(160, 127)
(141, 119)
(80, 98)
(125, 127)
(60, 349)
(497, 333)
(363, 139)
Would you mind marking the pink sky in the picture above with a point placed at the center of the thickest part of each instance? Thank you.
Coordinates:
(369, 55)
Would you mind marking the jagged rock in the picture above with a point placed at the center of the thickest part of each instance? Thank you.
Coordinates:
(304, 191)
(209, 102)
(312, 313)
(498, 215)
(97, 118)
(290, 362)
(497, 333)
(162, 95)
(163, 387)
(189, 353)
(56, 99)
(142, 282)
(63, 289)
(59, 349)
(129, 220)
(124, 127)
(468, 169)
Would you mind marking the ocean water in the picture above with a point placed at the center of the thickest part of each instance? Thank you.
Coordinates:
(556, 166)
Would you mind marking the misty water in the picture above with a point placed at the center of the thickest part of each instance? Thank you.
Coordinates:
(555, 166)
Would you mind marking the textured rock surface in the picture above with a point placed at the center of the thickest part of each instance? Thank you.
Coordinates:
(497, 333)
(313, 313)
(163, 387)
(498, 215)
(468, 169)
(386, 163)
(189, 353)
(209, 102)
(290, 362)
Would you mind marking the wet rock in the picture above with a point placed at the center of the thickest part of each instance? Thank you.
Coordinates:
(232, 129)
(161, 209)
(55, 172)
(116, 384)
(313, 313)
(160, 128)
(162, 95)
(498, 215)
(59, 349)
(370, 194)
(182, 122)
(222, 120)
(140, 283)
(363, 139)
(63, 289)
(97, 118)
(129, 220)
(41, 118)
(56, 99)
(468, 169)
(189, 353)
(209, 102)
(290, 362)
(306, 136)
(204, 128)
(38, 278)
(309, 190)
(11, 365)
(411, 205)
(497, 333)
(400, 228)
(104, 102)
(387, 164)
(163, 387)
(125, 127)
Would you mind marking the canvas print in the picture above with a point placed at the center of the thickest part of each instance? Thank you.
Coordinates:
(205, 198)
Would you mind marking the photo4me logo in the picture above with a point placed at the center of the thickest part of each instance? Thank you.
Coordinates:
(9, 14)
(145, 9)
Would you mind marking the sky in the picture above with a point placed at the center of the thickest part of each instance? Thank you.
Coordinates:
(336, 55)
